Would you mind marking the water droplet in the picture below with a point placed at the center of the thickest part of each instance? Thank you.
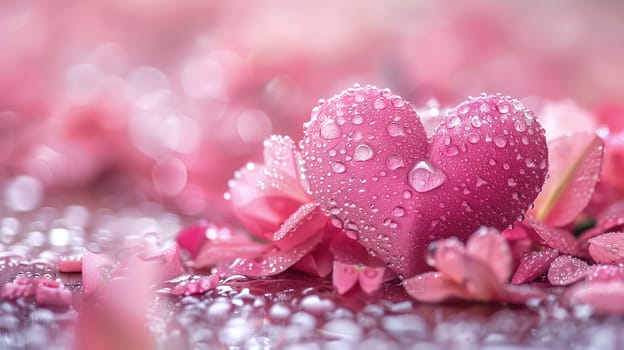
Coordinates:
(530, 163)
(475, 122)
(358, 119)
(463, 109)
(398, 102)
(452, 150)
(502, 107)
(407, 194)
(480, 182)
(395, 130)
(517, 105)
(338, 168)
(336, 222)
(520, 124)
(424, 177)
(379, 104)
(511, 182)
(394, 162)
(473, 138)
(363, 152)
(455, 121)
(330, 130)
(500, 141)
(398, 211)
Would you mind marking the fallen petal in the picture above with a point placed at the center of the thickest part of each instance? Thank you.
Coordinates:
(96, 269)
(607, 248)
(611, 219)
(603, 297)
(605, 273)
(574, 168)
(432, 287)
(307, 221)
(489, 245)
(533, 265)
(566, 270)
(555, 238)
(344, 277)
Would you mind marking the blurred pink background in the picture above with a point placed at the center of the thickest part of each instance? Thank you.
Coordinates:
(168, 98)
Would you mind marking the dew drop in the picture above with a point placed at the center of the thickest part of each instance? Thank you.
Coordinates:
(502, 107)
(473, 138)
(407, 194)
(336, 222)
(424, 177)
(395, 130)
(452, 150)
(398, 102)
(517, 105)
(511, 182)
(480, 182)
(379, 104)
(363, 152)
(338, 168)
(475, 122)
(394, 162)
(455, 121)
(398, 211)
(520, 124)
(530, 163)
(330, 130)
(358, 119)
(463, 109)
(500, 141)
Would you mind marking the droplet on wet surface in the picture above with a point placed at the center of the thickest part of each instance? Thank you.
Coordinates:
(330, 130)
(424, 177)
(338, 167)
(394, 130)
(363, 152)
(394, 161)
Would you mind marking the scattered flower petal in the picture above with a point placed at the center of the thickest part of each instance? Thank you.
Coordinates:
(533, 265)
(607, 248)
(566, 270)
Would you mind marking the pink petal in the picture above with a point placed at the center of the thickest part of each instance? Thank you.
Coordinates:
(344, 277)
(96, 269)
(533, 265)
(280, 154)
(566, 270)
(318, 262)
(273, 261)
(605, 273)
(610, 220)
(70, 263)
(21, 287)
(607, 248)
(52, 293)
(603, 297)
(308, 220)
(262, 199)
(489, 245)
(473, 274)
(192, 238)
(350, 251)
(225, 251)
(432, 287)
(556, 238)
(574, 168)
(371, 278)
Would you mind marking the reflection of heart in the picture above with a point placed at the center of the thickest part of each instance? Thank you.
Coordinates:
(369, 164)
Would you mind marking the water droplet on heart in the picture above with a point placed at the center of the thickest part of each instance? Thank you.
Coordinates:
(394, 161)
(484, 108)
(336, 222)
(520, 124)
(330, 130)
(452, 150)
(475, 122)
(480, 182)
(463, 109)
(473, 138)
(511, 182)
(517, 105)
(455, 121)
(398, 102)
(338, 168)
(363, 152)
(502, 107)
(351, 234)
(424, 177)
(358, 119)
(379, 104)
(530, 163)
(407, 194)
(398, 211)
(542, 165)
(395, 130)
(500, 141)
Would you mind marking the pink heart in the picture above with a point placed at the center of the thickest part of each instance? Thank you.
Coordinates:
(371, 167)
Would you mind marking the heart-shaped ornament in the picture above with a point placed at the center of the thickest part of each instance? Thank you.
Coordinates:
(370, 165)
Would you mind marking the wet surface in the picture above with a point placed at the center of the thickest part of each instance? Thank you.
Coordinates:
(290, 311)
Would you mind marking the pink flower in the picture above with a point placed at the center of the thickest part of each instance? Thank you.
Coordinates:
(603, 290)
(271, 200)
(477, 271)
